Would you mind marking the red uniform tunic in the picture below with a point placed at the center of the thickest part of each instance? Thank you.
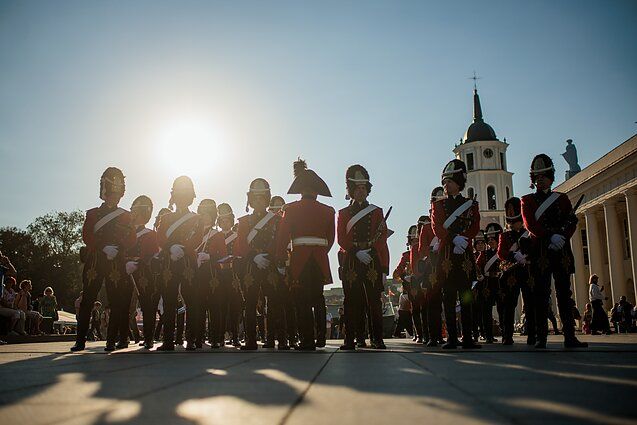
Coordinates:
(404, 266)
(350, 244)
(424, 242)
(145, 247)
(439, 215)
(215, 246)
(558, 210)
(302, 219)
(118, 232)
(189, 233)
(263, 242)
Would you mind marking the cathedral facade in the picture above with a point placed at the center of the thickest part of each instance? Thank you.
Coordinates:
(488, 179)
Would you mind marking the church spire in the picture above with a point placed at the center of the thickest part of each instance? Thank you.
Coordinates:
(477, 109)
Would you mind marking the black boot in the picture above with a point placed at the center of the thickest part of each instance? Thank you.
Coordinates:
(468, 344)
(573, 342)
(166, 347)
(249, 346)
(348, 346)
(451, 344)
(79, 346)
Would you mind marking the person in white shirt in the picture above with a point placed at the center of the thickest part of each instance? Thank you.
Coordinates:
(596, 297)
(404, 315)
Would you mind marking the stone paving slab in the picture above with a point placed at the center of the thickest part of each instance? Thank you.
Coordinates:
(42, 383)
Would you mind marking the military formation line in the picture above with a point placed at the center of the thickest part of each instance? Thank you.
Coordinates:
(276, 258)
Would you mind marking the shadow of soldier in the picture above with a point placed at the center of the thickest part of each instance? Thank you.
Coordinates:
(134, 386)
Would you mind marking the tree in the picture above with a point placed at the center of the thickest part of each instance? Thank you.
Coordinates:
(47, 253)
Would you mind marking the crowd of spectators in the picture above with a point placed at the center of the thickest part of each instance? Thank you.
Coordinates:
(20, 312)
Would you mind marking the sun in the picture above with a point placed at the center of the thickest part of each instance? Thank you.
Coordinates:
(189, 145)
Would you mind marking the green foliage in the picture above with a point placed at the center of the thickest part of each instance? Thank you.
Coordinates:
(47, 252)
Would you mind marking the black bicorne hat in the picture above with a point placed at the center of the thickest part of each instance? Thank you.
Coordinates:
(306, 180)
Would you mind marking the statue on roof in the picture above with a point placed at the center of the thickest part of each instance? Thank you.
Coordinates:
(571, 158)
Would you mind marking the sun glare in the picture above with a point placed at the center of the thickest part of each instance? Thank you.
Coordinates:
(189, 146)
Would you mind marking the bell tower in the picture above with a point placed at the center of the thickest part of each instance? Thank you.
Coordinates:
(487, 176)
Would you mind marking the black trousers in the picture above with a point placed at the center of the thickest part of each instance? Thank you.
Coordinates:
(512, 282)
(404, 323)
(148, 302)
(488, 295)
(320, 313)
(307, 297)
(433, 312)
(176, 274)
(418, 313)
(362, 291)
(98, 271)
(552, 264)
(456, 285)
(269, 283)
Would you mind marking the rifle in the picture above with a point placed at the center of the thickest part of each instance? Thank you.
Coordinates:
(381, 227)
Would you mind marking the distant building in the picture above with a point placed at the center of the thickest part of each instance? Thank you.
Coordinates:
(487, 175)
(605, 242)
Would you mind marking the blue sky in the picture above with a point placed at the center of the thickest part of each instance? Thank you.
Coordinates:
(85, 85)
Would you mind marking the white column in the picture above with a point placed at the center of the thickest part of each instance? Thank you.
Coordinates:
(595, 243)
(579, 279)
(615, 250)
(631, 207)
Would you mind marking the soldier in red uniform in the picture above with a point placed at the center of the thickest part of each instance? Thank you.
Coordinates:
(364, 258)
(231, 306)
(256, 245)
(138, 265)
(513, 250)
(428, 245)
(212, 294)
(479, 246)
(179, 234)
(108, 234)
(405, 273)
(283, 297)
(488, 264)
(550, 219)
(309, 226)
(455, 221)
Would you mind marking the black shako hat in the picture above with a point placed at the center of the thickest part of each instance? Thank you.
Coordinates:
(455, 170)
(492, 230)
(542, 164)
(306, 180)
(513, 210)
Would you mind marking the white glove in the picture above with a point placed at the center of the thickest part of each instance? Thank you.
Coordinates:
(110, 251)
(202, 257)
(364, 257)
(177, 252)
(261, 261)
(557, 241)
(131, 267)
(458, 249)
(461, 242)
(281, 270)
(519, 257)
(436, 246)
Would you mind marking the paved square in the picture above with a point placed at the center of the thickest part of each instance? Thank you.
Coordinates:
(45, 384)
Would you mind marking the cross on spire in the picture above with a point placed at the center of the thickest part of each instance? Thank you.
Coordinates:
(475, 80)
